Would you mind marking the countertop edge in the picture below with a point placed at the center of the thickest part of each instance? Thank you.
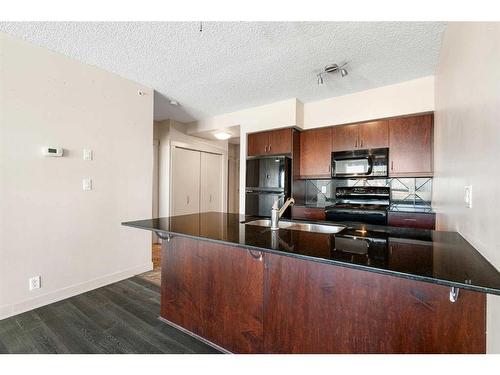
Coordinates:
(402, 275)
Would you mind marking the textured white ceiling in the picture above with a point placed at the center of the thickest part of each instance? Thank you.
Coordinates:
(234, 65)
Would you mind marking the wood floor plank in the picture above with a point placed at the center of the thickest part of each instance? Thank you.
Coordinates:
(118, 318)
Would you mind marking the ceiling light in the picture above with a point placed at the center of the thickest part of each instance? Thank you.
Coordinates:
(222, 135)
(173, 102)
(332, 68)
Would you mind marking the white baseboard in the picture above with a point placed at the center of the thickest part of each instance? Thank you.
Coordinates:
(70, 291)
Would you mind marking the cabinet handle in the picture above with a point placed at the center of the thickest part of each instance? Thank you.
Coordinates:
(187, 199)
(356, 144)
(361, 143)
(269, 148)
(392, 165)
(265, 148)
(410, 219)
(210, 200)
(329, 168)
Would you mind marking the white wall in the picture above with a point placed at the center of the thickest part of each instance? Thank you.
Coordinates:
(170, 132)
(467, 143)
(408, 97)
(403, 98)
(48, 225)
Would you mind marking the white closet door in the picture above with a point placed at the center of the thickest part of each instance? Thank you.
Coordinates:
(211, 182)
(185, 182)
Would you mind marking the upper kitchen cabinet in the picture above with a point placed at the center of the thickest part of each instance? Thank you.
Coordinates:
(374, 134)
(367, 135)
(315, 153)
(270, 142)
(410, 142)
(345, 137)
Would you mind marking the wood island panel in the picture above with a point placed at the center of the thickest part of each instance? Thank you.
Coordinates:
(312, 307)
(215, 291)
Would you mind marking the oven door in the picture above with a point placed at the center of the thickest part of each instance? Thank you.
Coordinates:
(352, 167)
(362, 216)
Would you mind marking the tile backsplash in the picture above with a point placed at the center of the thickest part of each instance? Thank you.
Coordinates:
(409, 191)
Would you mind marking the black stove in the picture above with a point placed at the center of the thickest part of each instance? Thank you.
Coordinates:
(367, 204)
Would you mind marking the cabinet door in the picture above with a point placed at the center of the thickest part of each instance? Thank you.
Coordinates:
(280, 141)
(185, 197)
(211, 182)
(374, 134)
(313, 307)
(258, 143)
(345, 137)
(315, 152)
(215, 291)
(410, 142)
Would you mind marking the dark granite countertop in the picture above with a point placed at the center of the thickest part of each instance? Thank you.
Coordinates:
(443, 258)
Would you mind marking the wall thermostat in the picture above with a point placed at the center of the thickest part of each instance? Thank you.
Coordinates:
(53, 151)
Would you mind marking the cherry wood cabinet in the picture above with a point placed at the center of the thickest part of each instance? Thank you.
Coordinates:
(366, 135)
(312, 307)
(410, 143)
(280, 141)
(251, 302)
(315, 153)
(308, 213)
(258, 143)
(270, 142)
(374, 134)
(412, 220)
(345, 137)
(214, 291)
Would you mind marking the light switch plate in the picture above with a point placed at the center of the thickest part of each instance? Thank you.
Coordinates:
(468, 196)
(323, 189)
(87, 154)
(87, 184)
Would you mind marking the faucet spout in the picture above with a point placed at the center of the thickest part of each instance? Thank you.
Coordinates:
(277, 212)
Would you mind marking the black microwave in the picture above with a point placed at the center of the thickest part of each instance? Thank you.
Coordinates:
(360, 163)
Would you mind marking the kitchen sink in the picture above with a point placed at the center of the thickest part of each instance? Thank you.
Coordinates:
(306, 227)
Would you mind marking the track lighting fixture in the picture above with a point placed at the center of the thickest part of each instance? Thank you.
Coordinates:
(332, 68)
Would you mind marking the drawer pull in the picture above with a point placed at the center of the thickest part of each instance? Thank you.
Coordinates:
(410, 220)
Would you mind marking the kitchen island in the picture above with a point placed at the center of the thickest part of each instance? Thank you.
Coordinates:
(366, 289)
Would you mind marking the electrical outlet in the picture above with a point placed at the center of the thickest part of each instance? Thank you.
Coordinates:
(468, 196)
(35, 283)
(323, 189)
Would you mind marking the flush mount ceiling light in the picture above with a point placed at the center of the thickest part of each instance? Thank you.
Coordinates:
(174, 102)
(222, 135)
(332, 68)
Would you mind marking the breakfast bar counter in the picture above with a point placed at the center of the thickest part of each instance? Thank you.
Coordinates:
(244, 288)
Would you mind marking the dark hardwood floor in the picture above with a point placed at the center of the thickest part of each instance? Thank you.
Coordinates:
(118, 318)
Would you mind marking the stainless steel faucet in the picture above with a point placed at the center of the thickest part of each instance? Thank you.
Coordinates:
(277, 212)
